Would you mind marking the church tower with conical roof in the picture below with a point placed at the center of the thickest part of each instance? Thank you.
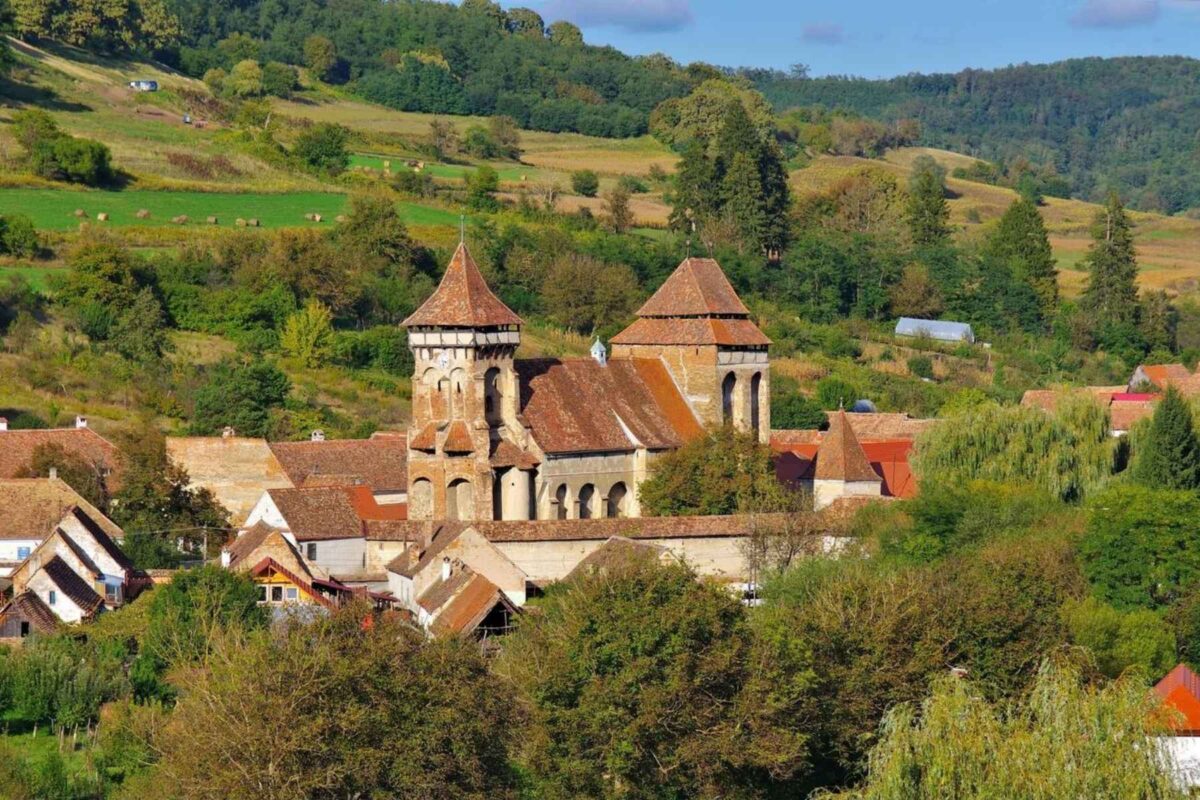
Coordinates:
(699, 327)
(465, 399)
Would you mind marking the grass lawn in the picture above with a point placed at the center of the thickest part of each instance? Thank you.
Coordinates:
(37, 276)
(508, 172)
(53, 209)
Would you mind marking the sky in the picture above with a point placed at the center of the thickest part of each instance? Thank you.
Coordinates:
(882, 38)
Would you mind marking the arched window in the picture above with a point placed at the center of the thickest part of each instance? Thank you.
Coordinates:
(420, 499)
(728, 387)
(755, 386)
(587, 501)
(491, 395)
(618, 500)
(560, 501)
(460, 502)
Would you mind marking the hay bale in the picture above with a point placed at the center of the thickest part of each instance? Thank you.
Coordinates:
(102, 217)
(80, 213)
(252, 222)
(212, 220)
(182, 219)
(241, 223)
(142, 214)
(340, 218)
(309, 217)
(317, 218)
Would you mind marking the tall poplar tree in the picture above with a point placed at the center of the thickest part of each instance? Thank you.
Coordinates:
(1021, 242)
(1111, 292)
(1170, 452)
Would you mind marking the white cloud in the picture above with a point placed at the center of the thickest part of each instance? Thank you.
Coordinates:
(641, 16)
(823, 33)
(1116, 13)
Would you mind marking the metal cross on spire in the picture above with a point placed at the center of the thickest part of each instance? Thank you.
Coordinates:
(462, 228)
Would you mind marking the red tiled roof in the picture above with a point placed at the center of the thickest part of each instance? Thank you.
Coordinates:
(318, 513)
(698, 287)
(458, 438)
(33, 507)
(1123, 414)
(368, 508)
(578, 405)
(462, 299)
(840, 457)
(73, 586)
(29, 607)
(426, 438)
(379, 462)
(1164, 375)
(17, 448)
(615, 553)
(889, 460)
(506, 454)
(1180, 690)
(693, 331)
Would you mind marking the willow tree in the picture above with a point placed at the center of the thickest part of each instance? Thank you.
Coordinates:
(1068, 453)
(1064, 740)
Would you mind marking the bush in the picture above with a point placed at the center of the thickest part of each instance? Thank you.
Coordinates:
(835, 393)
(323, 148)
(1120, 640)
(921, 366)
(18, 236)
(585, 182)
(632, 184)
(278, 79)
(792, 410)
(76, 160)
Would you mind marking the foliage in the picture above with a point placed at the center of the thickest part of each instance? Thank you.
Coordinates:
(616, 208)
(308, 335)
(63, 681)
(1065, 739)
(795, 411)
(1140, 549)
(921, 366)
(240, 396)
(684, 702)
(722, 472)
(55, 155)
(1068, 453)
(585, 182)
(1021, 243)
(323, 148)
(835, 393)
(18, 236)
(482, 185)
(88, 478)
(928, 212)
(1111, 292)
(581, 294)
(1121, 640)
(120, 26)
(1169, 452)
(371, 688)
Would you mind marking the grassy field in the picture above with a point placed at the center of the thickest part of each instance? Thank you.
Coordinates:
(53, 209)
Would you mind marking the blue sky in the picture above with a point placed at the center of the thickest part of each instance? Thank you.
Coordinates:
(878, 38)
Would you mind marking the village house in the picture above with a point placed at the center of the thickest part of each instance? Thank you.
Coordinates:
(33, 508)
(1179, 693)
(19, 446)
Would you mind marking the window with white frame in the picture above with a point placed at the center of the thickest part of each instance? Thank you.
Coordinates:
(276, 594)
(291, 594)
(22, 553)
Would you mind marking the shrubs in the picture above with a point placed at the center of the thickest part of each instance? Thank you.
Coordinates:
(921, 366)
(585, 182)
(18, 236)
(323, 148)
(55, 155)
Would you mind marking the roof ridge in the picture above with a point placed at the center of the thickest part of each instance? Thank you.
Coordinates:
(841, 456)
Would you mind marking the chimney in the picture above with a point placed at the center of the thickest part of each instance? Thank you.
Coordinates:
(54, 473)
(226, 557)
(599, 352)
(318, 435)
(3, 424)
(446, 568)
(81, 422)
(228, 432)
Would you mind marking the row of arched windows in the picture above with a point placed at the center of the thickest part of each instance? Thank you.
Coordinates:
(589, 504)
(731, 399)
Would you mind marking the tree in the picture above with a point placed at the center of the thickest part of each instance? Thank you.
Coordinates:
(1110, 295)
(239, 396)
(90, 478)
(526, 22)
(278, 80)
(506, 136)
(928, 212)
(244, 80)
(683, 702)
(565, 34)
(834, 393)
(323, 147)
(1121, 640)
(482, 184)
(917, 295)
(1141, 548)
(585, 182)
(1068, 453)
(1159, 322)
(794, 411)
(373, 229)
(308, 335)
(7, 28)
(1021, 242)
(722, 472)
(19, 236)
(1065, 739)
(372, 687)
(616, 206)
(443, 138)
(320, 56)
(1169, 456)
(744, 200)
(583, 294)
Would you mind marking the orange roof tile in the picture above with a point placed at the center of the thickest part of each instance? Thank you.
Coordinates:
(506, 454)
(426, 438)
(1164, 375)
(693, 331)
(698, 287)
(1124, 413)
(458, 438)
(797, 462)
(578, 405)
(462, 299)
(840, 457)
(17, 448)
(379, 462)
(368, 508)
(1180, 690)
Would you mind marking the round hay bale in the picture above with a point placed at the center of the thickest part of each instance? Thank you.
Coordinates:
(142, 214)
(252, 222)
(212, 220)
(80, 213)
(182, 219)
(241, 223)
(102, 217)
(309, 217)
(317, 218)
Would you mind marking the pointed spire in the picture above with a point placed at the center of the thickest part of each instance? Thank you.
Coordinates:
(462, 299)
(697, 288)
(599, 352)
(841, 457)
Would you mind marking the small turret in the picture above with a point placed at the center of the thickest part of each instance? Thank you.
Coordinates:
(599, 352)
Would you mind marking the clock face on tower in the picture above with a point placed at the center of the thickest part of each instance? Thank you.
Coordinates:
(443, 359)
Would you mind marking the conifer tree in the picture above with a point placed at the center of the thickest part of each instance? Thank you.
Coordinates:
(1170, 453)
(694, 196)
(1111, 292)
(1021, 242)
(742, 191)
(928, 213)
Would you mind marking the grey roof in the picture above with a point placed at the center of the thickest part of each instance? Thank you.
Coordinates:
(935, 329)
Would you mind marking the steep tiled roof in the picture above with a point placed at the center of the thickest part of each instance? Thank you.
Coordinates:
(1048, 399)
(426, 438)
(889, 460)
(458, 438)
(840, 457)
(1180, 691)
(379, 462)
(92, 525)
(693, 331)
(578, 405)
(247, 541)
(29, 607)
(81, 554)
(73, 586)
(318, 513)
(462, 299)
(884, 426)
(1164, 375)
(1124, 413)
(30, 508)
(17, 448)
(698, 287)
(506, 454)
(469, 607)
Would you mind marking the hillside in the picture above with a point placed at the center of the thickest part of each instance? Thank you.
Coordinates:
(1121, 123)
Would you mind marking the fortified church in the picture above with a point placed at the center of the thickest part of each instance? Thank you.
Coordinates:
(497, 438)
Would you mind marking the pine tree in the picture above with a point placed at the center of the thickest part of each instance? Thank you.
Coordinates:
(1021, 242)
(1170, 454)
(1111, 292)
(928, 213)
(741, 191)
(694, 195)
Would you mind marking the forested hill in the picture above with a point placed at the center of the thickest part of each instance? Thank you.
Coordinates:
(1124, 123)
